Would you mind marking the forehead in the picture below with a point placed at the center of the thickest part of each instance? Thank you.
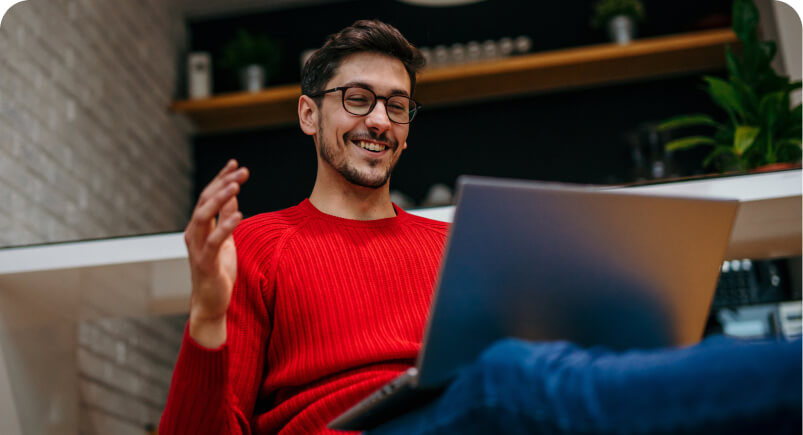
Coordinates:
(383, 74)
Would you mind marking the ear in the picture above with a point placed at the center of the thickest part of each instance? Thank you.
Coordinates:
(308, 115)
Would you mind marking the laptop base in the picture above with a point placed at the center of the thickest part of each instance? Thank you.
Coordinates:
(397, 398)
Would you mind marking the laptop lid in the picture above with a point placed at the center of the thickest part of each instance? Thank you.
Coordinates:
(544, 261)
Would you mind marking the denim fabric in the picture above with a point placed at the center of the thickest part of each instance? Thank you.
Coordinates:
(720, 385)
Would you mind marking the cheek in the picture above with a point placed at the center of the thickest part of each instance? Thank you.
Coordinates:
(401, 137)
(345, 124)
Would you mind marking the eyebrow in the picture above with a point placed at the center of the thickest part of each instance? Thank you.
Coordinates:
(367, 86)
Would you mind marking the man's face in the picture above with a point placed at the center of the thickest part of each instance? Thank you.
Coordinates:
(363, 149)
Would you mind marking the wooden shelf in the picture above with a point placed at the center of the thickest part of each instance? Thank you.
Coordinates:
(533, 73)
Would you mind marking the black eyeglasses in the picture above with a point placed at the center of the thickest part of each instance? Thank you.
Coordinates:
(361, 101)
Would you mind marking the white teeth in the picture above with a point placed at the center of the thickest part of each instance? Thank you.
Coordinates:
(371, 146)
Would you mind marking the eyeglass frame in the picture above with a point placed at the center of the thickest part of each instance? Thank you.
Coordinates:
(376, 97)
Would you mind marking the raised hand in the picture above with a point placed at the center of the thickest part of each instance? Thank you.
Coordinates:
(213, 259)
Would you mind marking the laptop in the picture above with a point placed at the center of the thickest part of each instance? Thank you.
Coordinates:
(544, 261)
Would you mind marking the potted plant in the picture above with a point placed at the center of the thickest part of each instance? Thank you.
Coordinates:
(255, 58)
(760, 127)
(619, 17)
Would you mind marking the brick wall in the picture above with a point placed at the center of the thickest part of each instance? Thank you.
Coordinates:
(89, 150)
(124, 372)
(87, 146)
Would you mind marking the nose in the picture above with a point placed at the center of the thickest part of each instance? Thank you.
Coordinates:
(378, 120)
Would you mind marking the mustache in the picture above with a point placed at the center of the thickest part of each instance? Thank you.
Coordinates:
(354, 137)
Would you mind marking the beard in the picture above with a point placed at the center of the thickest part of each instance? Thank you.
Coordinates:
(375, 177)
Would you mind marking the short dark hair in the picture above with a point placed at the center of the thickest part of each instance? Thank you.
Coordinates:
(362, 36)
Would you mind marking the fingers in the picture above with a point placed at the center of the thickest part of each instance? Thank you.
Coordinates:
(224, 178)
(217, 194)
(212, 207)
(222, 231)
(202, 222)
(228, 168)
(228, 208)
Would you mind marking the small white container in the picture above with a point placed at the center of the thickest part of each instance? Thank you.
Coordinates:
(441, 55)
(473, 51)
(506, 46)
(199, 75)
(457, 54)
(253, 78)
(490, 49)
(522, 44)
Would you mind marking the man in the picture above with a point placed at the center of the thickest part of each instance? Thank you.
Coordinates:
(298, 314)
(324, 302)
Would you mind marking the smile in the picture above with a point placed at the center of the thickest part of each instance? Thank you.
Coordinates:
(371, 146)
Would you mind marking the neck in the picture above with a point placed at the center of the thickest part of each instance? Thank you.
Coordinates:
(335, 196)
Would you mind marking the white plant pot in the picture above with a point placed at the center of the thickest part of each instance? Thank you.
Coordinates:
(621, 29)
(252, 78)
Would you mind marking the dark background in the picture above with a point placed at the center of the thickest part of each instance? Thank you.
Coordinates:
(595, 136)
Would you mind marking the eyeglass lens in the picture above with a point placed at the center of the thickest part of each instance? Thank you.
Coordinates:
(359, 101)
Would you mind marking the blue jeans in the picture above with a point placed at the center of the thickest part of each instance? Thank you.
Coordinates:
(720, 385)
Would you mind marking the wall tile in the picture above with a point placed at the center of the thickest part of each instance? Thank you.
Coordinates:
(88, 150)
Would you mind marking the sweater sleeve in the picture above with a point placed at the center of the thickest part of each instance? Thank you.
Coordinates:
(214, 391)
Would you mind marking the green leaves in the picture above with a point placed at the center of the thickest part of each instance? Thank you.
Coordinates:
(725, 96)
(688, 142)
(718, 152)
(794, 129)
(733, 64)
(789, 150)
(247, 49)
(748, 99)
(761, 128)
(745, 19)
(688, 121)
(773, 106)
(604, 10)
(744, 138)
(790, 143)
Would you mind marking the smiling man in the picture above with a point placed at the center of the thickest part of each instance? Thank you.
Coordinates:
(298, 314)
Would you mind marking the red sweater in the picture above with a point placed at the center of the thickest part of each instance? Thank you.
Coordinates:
(324, 311)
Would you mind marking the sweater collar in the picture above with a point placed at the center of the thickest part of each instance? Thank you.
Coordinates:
(309, 209)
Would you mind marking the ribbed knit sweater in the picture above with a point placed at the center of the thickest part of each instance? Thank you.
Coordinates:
(324, 311)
